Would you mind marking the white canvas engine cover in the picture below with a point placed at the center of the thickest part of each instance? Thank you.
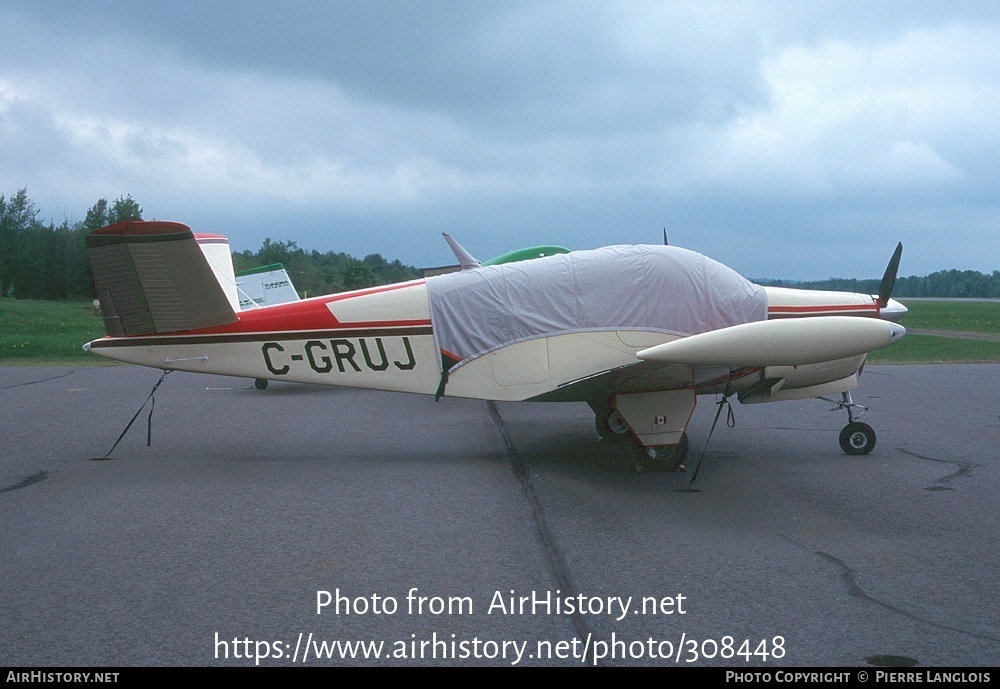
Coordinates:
(649, 288)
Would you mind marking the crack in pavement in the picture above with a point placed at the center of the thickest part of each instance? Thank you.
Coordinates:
(964, 468)
(557, 563)
(36, 382)
(854, 589)
(24, 483)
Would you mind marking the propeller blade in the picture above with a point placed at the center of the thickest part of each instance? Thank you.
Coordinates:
(889, 278)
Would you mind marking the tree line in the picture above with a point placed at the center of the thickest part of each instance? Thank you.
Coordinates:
(41, 260)
(965, 284)
(46, 261)
(314, 273)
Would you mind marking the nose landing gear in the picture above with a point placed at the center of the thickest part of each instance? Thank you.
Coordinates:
(856, 438)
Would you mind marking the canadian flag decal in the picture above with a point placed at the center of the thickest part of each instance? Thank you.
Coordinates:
(659, 420)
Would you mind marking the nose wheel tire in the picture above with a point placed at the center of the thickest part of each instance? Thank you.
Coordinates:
(857, 438)
(260, 383)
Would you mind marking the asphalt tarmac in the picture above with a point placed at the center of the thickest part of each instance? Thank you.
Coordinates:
(462, 532)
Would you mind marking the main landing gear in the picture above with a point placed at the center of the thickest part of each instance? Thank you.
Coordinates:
(856, 438)
(612, 428)
(661, 457)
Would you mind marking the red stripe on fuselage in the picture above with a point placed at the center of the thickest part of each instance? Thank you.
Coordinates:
(308, 314)
(370, 290)
(827, 309)
(202, 338)
(313, 314)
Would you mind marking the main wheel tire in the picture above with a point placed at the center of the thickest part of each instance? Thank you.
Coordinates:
(663, 457)
(679, 453)
(610, 426)
(260, 383)
(857, 438)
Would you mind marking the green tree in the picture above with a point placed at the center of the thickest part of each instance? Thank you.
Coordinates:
(97, 216)
(39, 261)
(125, 208)
(357, 274)
(7, 248)
(277, 252)
(100, 214)
(18, 250)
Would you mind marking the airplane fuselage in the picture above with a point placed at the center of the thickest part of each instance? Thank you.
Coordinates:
(382, 338)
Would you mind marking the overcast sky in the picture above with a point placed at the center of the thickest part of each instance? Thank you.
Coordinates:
(797, 140)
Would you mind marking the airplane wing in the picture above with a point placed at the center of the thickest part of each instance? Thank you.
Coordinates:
(637, 377)
(719, 357)
(792, 342)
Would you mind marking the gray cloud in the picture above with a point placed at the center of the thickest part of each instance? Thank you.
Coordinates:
(782, 140)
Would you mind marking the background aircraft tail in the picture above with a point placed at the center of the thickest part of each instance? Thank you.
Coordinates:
(265, 286)
(151, 278)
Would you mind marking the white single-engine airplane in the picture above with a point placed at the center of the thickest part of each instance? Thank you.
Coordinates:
(637, 332)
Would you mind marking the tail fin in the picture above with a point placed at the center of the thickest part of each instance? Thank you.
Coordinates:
(220, 258)
(248, 289)
(152, 278)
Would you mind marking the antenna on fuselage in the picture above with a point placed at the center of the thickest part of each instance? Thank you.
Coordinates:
(465, 259)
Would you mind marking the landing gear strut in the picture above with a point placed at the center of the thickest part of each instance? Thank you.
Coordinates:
(856, 438)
